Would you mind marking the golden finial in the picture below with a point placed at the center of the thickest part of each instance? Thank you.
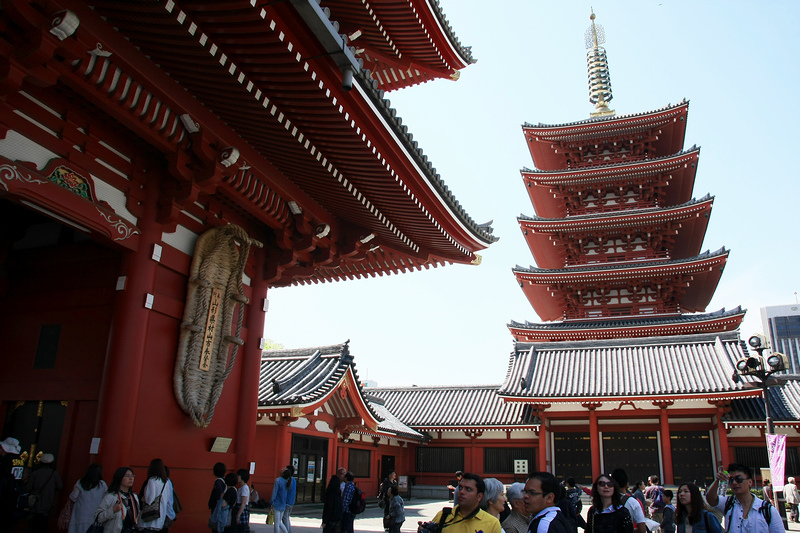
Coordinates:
(597, 62)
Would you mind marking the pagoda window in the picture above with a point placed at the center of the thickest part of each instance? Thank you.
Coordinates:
(620, 311)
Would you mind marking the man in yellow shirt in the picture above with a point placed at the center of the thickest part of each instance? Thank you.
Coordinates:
(467, 516)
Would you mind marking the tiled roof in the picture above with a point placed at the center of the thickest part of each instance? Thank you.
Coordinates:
(625, 322)
(477, 406)
(307, 375)
(609, 118)
(619, 266)
(605, 165)
(654, 366)
(784, 403)
(628, 213)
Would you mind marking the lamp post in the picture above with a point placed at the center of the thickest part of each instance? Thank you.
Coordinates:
(762, 368)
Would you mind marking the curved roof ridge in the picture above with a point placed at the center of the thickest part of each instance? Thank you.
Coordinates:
(611, 118)
(464, 51)
(624, 213)
(627, 322)
(383, 105)
(620, 265)
(613, 164)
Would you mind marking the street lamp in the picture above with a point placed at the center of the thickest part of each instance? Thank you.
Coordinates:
(762, 368)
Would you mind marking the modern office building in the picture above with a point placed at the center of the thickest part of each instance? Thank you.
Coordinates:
(782, 327)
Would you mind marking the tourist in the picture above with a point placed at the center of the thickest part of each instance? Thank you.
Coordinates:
(743, 506)
(769, 496)
(347, 496)
(280, 493)
(467, 516)
(43, 483)
(332, 508)
(157, 484)
(690, 513)
(8, 500)
(85, 498)
(541, 491)
(173, 503)
(638, 492)
(118, 511)
(668, 516)
(453, 486)
(291, 495)
(632, 504)
(792, 496)
(494, 497)
(517, 521)
(223, 510)
(219, 486)
(607, 513)
(397, 511)
(242, 519)
(384, 494)
(654, 496)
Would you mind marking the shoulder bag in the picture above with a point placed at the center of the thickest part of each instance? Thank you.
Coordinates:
(152, 511)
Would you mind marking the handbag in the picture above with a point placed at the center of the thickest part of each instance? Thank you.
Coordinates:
(388, 520)
(95, 528)
(65, 515)
(270, 517)
(152, 511)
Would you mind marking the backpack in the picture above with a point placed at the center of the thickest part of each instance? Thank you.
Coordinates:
(765, 510)
(359, 502)
(574, 496)
(658, 499)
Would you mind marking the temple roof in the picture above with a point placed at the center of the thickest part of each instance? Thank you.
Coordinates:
(644, 326)
(784, 403)
(692, 366)
(306, 377)
(547, 189)
(544, 140)
(402, 46)
(549, 238)
(267, 79)
(459, 407)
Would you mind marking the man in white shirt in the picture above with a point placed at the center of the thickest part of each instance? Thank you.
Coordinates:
(631, 504)
(744, 513)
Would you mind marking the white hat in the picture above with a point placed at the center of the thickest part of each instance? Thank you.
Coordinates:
(47, 458)
(11, 445)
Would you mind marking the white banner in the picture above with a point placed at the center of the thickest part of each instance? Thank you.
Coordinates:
(776, 447)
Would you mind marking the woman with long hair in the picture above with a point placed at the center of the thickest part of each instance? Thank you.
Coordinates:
(157, 484)
(280, 499)
(690, 514)
(118, 511)
(85, 497)
(332, 510)
(607, 513)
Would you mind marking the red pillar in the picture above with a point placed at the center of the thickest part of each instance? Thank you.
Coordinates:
(283, 448)
(594, 442)
(251, 366)
(724, 450)
(542, 465)
(118, 402)
(666, 445)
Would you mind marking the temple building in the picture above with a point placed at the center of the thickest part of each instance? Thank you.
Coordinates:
(163, 165)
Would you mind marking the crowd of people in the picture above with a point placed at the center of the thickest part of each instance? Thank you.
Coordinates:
(544, 505)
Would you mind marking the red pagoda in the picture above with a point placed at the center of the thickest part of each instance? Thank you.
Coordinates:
(617, 236)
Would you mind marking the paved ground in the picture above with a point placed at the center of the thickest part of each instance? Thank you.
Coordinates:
(307, 518)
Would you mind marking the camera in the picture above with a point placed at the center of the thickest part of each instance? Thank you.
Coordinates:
(428, 527)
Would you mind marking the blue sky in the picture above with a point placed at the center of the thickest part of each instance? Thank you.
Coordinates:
(737, 63)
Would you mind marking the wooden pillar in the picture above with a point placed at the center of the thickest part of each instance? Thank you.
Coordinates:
(666, 443)
(594, 439)
(251, 365)
(283, 446)
(541, 459)
(724, 450)
(122, 375)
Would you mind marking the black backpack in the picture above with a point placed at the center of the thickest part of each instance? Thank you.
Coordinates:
(359, 502)
(765, 510)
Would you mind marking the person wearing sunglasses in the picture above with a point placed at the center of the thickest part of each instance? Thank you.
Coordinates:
(541, 493)
(607, 513)
(743, 511)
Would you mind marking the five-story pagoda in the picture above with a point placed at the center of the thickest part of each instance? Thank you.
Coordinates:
(617, 234)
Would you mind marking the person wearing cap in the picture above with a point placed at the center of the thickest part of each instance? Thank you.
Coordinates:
(8, 501)
(43, 483)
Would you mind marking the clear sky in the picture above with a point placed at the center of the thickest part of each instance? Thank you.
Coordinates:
(737, 64)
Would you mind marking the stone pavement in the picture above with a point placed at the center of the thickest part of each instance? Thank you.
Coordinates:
(307, 518)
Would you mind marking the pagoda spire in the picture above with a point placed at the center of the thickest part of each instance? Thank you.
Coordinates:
(599, 76)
